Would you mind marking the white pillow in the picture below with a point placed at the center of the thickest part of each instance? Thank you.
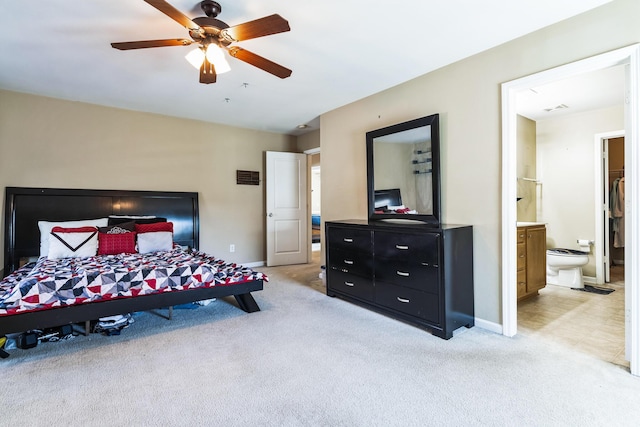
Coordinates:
(81, 244)
(395, 208)
(46, 226)
(156, 241)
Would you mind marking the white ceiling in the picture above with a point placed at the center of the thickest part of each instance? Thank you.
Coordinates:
(590, 91)
(339, 50)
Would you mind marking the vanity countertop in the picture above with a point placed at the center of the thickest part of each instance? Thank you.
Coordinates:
(528, 224)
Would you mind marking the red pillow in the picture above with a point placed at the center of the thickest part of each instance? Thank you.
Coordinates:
(113, 244)
(87, 229)
(152, 228)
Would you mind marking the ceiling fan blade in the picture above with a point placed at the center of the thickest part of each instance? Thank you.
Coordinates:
(150, 43)
(272, 24)
(260, 62)
(174, 14)
(207, 72)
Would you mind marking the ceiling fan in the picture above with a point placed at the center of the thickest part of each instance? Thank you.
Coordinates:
(214, 36)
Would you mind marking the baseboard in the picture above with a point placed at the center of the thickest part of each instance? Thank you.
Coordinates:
(253, 264)
(489, 326)
(590, 280)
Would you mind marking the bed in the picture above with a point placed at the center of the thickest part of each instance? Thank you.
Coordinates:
(195, 276)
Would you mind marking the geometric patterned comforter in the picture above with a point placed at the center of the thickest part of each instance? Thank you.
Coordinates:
(70, 281)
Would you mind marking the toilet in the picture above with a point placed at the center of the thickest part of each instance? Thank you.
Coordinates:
(564, 266)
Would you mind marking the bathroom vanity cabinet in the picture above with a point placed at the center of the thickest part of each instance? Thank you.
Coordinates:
(419, 274)
(532, 260)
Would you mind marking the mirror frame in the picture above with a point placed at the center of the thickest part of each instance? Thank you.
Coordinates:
(433, 121)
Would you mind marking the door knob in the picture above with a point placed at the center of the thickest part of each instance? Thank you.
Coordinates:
(270, 214)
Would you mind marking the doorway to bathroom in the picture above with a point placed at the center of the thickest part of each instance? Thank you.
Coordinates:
(557, 178)
(629, 59)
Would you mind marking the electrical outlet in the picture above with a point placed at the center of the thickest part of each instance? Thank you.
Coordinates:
(232, 248)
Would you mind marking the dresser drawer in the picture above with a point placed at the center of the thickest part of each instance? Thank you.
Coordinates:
(408, 301)
(418, 248)
(351, 262)
(409, 275)
(522, 283)
(359, 287)
(349, 239)
(522, 256)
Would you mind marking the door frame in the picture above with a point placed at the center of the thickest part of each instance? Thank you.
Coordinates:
(630, 57)
(601, 245)
(310, 152)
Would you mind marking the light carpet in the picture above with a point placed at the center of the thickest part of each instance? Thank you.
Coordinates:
(308, 359)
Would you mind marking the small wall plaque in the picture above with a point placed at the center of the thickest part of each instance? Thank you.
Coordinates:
(247, 177)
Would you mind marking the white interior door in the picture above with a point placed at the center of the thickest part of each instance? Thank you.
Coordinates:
(287, 218)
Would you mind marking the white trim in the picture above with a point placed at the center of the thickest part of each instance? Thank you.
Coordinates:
(632, 210)
(599, 179)
(253, 264)
(509, 210)
(489, 326)
(627, 55)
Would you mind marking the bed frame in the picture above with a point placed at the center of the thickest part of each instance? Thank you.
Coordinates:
(24, 207)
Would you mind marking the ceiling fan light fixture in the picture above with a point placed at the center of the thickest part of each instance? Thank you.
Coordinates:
(195, 57)
(213, 37)
(214, 54)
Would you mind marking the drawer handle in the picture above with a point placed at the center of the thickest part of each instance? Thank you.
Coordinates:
(521, 256)
(348, 240)
(402, 247)
(402, 273)
(349, 284)
(348, 262)
(402, 300)
(426, 264)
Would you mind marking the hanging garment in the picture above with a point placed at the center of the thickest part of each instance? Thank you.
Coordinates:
(613, 198)
(618, 214)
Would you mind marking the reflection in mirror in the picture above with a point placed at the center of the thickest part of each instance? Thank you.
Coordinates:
(403, 161)
(403, 171)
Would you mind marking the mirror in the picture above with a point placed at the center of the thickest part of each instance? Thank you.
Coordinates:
(403, 171)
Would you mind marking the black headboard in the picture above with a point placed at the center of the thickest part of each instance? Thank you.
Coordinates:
(389, 197)
(24, 207)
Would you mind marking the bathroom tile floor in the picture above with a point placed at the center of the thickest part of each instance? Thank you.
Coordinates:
(588, 322)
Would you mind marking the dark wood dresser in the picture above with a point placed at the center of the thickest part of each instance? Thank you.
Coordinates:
(420, 274)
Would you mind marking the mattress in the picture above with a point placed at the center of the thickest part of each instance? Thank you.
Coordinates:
(49, 283)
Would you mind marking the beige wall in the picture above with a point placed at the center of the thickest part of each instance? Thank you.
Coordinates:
(308, 141)
(46, 142)
(467, 96)
(526, 168)
(566, 166)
